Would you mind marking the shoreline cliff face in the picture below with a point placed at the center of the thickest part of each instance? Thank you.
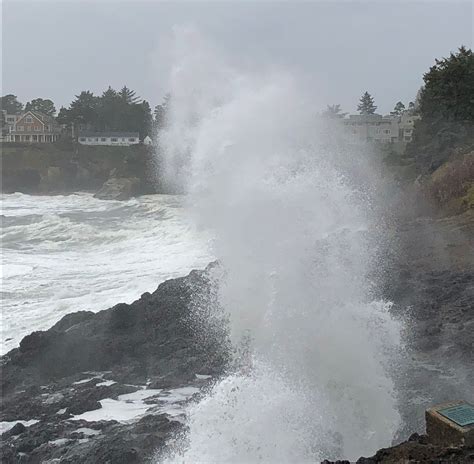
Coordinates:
(66, 168)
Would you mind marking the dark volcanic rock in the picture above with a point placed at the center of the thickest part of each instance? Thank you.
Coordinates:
(149, 338)
(86, 357)
(418, 450)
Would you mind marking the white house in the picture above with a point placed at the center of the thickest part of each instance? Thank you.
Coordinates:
(109, 138)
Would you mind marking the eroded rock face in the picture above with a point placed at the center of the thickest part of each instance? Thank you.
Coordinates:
(61, 168)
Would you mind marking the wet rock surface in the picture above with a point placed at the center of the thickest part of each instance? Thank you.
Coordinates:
(107, 387)
(417, 449)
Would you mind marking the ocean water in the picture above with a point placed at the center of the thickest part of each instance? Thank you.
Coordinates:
(68, 253)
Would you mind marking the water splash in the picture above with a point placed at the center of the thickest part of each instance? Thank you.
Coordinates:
(295, 238)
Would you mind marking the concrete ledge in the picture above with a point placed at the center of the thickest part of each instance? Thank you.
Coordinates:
(444, 430)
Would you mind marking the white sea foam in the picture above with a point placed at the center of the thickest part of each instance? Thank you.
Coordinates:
(68, 253)
(131, 406)
(292, 217)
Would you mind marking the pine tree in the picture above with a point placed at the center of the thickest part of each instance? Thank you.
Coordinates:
(128, 96)
(366, 104)
(83, 110)
(398, 110)
(449, 88)
(333, 112)
(161, 112)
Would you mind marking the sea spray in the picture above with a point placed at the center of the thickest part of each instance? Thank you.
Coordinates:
(294, 234)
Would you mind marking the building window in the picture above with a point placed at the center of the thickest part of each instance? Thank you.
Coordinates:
(20, 128)
(103, 139)
(131, 139)
(387, 131)
(97, 139)
(123, 139)
(89, 139)
(10, 119)
(82, 139)
(29, 119)
(37, 128)
(113, 139)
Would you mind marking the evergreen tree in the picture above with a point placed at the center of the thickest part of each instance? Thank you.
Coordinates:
(63, 116)
(446, 106)
(43, 106)
(333, 112)
(146, 121)
(10, 104)
(366, 104)
(128, 96)
(160, 113)
(449, 88)
(398, 110)
(83, 110)
(110, 111)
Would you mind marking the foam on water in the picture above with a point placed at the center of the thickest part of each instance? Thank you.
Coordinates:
(296, 237)
(68, 253)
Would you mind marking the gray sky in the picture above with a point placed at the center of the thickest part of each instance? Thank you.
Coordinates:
(56, 49)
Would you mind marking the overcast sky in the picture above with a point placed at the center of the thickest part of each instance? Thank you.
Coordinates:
(56, 49)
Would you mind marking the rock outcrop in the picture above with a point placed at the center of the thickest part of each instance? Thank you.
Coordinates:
(88, 362)
(119, 188)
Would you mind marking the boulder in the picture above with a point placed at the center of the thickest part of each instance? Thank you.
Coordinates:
(119, 188)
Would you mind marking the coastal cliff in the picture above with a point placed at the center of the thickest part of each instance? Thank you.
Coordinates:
(65, 168)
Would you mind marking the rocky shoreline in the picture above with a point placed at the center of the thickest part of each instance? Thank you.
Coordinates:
(145, 361)
(141, 360)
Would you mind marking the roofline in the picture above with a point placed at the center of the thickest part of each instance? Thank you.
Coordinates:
(32, 114)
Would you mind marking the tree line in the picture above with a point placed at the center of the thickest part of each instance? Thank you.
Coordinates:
(367, 106)
(113, 110)
(445, 103)
(446, 107)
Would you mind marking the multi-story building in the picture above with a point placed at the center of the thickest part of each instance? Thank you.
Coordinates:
(378, 128)
(371, 128)
(406, 126)
(32, 127)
